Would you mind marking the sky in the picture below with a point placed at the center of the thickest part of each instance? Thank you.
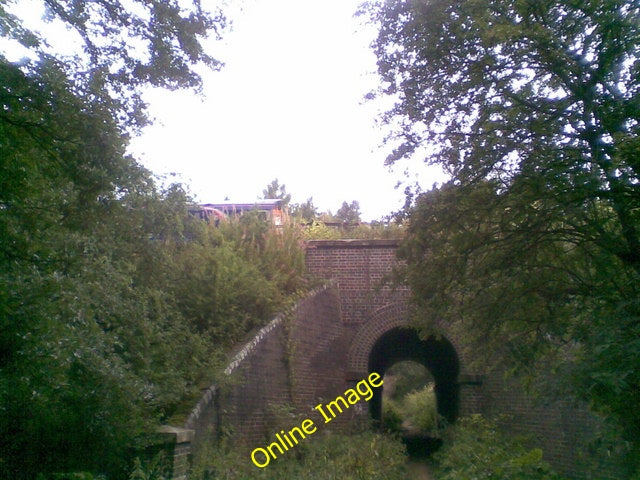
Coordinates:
(289, 104)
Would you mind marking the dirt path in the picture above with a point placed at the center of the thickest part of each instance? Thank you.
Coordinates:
(419, 471)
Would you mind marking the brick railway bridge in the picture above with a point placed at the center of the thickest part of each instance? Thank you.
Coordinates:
(333, 338)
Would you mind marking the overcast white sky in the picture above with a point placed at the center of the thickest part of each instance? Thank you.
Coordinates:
(287, 105)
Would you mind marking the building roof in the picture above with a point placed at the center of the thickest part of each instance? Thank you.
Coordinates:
(265, 204)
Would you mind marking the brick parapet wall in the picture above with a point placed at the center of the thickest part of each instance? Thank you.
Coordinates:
(319, 348)
(174, 444)
(359, 266)
(360, 269)
(181, 461)
(260, 385)
(296, 359)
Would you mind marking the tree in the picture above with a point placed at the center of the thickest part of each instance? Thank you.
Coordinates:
(349, 212)
(306, 210)
(93, 350)
(511, 89)
(275, 190)
(114, 302)
(122, 48)
(532, 107)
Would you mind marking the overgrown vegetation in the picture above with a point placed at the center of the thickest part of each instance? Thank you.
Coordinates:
(364, 456)
(123, 322)
(476, 448)
(532, 248)
(417, 409)
(319, 230)
(409, 400)
(115, 303)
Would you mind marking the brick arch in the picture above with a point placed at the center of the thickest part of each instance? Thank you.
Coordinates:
(386, 318)
(383, 319)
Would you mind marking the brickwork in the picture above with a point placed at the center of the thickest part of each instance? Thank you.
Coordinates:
(383, 320)
(299, 361)
(471, 394)
(394, 315)
(296, 359)
(204, 417)
(326, 344)
(359, 268)
(175, 446)
(318, 350)
(369, 311)
(181, 461)
(370, 307)
(261, 386)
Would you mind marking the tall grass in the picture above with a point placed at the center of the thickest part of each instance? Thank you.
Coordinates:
(363, 456)
(415, 410)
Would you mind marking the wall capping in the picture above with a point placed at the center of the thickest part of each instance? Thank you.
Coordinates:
(354, 243)
(181, 435)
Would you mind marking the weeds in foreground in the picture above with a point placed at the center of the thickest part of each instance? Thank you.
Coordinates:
(363, 456)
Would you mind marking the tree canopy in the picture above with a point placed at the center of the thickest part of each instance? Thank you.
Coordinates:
(275, 190)
(120, 47)
(532, 108)
(349, 212)
(115, 303)
(506, 90)
(306, 210)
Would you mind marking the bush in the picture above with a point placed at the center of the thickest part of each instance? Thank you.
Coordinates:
(318, 230)
(119, 327)
(408, 376)
(365, 456)
(154, 469)
(477, 449)
(420, 408)
(391, 416)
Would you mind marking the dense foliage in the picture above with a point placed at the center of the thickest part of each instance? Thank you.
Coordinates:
(364, 456)
(415, 411)
(406, 377)
(118, 48)
(115, 303)
(319, 230)
(532, 249)
(409, 400)
(114, 313)
(476, 448)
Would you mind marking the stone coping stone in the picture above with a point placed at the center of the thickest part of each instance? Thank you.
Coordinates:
(182, 435)
(354, 243)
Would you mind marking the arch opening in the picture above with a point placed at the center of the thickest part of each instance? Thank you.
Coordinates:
(408, 400)
(436, 354)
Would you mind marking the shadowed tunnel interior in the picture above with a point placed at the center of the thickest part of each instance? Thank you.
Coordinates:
(436, 354)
